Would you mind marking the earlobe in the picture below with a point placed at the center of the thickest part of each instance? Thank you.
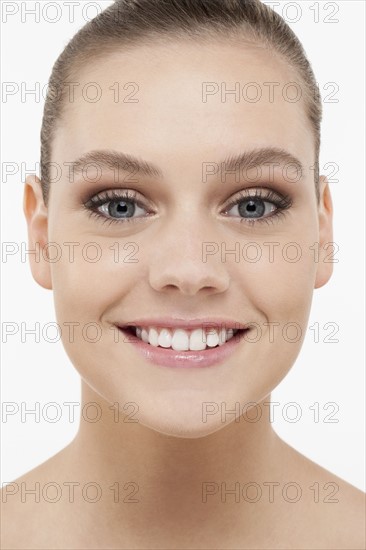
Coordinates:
(325, 209)
(36, 215)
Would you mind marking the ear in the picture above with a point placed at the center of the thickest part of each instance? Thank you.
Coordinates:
(325, 212)
(37, 220)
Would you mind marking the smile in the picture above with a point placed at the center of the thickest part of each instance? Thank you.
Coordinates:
(179, 347)
(181, 339)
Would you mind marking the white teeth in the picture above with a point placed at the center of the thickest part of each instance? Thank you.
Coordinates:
(165, 338)
(197, 340)
(144, 334)
(153, 337)
(222, 336)
(180, 340)
(183, 340)
(212, 339)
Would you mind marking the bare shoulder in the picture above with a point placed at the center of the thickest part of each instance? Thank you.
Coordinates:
(335, 509)
(24, 510)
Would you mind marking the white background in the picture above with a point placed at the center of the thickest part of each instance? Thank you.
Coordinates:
(324, 372)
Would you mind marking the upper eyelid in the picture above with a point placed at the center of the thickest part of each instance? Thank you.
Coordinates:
(104, 197)
(142, 202)
(282, 203)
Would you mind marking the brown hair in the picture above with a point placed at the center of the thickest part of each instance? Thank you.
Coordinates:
(134, 22)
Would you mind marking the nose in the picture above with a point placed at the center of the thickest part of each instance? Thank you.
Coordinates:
(178, 263)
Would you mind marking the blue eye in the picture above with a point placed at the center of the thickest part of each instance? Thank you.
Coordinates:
(119, 208)
(115, 207)
(256, 206)
(253, 206)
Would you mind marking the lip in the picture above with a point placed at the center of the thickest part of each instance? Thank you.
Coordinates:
(167, 357)
(176, 322)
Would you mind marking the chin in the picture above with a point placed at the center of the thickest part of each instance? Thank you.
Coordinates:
(182, 424)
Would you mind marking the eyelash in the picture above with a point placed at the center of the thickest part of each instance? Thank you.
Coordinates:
(99, 200)
(282, 203)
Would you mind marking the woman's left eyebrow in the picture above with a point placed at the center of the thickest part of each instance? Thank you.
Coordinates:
(259, 157)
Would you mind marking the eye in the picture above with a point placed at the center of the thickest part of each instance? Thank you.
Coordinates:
(122, 206)
(255, 206)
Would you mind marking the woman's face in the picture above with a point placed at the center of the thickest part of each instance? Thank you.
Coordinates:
(175, 256)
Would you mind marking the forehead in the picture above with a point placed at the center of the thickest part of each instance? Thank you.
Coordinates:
(187, 97)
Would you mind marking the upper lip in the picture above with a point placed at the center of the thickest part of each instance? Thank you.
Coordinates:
(175, 322)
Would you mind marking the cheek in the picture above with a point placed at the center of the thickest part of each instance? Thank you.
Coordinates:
(87, 285)
(277, 290)
(284, 287)
(278, 276)
(91, 277)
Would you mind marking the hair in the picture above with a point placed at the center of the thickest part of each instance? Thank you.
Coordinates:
(130, 23)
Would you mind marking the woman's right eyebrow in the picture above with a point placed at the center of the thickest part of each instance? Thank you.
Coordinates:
(114, 160)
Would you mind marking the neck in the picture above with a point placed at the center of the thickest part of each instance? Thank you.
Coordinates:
(189, 481)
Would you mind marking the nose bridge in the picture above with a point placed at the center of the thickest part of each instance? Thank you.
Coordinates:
(179, 258)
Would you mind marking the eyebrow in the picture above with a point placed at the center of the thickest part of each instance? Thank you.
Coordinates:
(111, 159)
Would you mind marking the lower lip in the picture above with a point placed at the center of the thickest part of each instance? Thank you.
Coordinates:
(168, 357)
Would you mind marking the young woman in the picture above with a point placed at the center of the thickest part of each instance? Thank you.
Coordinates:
(180, 187)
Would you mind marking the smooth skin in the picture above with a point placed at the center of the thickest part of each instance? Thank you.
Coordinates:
(170, 453)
